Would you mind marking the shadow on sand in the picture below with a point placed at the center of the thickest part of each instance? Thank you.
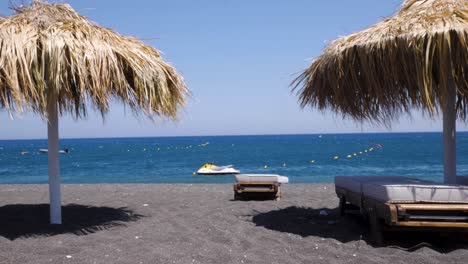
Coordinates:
(309, 222)
(32, 220)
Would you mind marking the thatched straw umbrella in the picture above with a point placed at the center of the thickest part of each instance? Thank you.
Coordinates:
(415, 59)
(55, 61)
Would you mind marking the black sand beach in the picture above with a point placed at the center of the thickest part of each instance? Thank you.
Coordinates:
(182, 223)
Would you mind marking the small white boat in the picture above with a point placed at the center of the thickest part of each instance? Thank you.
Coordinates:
(65, 151)
(212, 169)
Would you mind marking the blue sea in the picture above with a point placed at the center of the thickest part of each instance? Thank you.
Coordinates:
(304, 158)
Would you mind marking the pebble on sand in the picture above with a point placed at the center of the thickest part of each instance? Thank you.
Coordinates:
(323, 212)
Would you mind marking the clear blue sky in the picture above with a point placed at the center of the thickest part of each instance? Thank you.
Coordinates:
(238, 58)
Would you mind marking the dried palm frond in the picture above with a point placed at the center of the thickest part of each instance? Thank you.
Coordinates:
(400, 63)
(50, 50)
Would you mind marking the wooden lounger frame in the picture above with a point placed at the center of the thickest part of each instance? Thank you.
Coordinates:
(404, 216)
(266, 188)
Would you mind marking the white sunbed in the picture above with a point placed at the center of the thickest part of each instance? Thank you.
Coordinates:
(264, 184)
(246, 178)
(350, 187)
(396, 189)
(404, 202)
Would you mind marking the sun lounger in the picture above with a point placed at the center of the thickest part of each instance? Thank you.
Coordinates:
(399, 203)
(258, 184)
(350, 187)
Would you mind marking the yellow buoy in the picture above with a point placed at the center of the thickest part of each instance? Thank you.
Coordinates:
(365, 151)
(360, 152)
(336, 157)
(354, 154)
(349, 156)
(194, 173)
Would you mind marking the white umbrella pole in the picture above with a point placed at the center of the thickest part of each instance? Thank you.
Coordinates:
(54, 167)
(450, 114)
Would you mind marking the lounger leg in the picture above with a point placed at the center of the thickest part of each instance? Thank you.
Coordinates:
(342, 206)
(376, 228)
(236, 194)
(278, 194)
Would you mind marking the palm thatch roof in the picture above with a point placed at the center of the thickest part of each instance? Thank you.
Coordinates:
(403, 62)
(51, 50)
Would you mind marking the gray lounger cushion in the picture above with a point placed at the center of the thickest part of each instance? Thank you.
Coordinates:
(391, 192)
(396, 189)
(354, 183)
(267, 178)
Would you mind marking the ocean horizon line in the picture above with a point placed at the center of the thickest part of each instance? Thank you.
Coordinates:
(241, 135)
